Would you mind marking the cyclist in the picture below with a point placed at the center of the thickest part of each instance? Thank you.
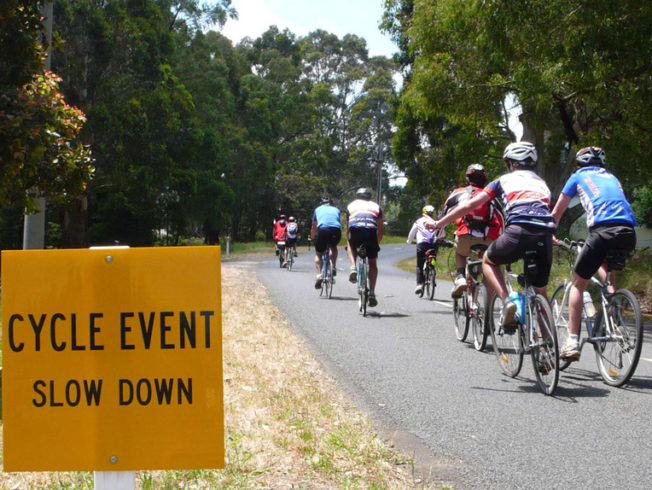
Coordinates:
(364, 220)
(279, 235)
(292, 233)
(425, 241)
(326, 231)
(481, 226)
(611, 225)
(530, 224)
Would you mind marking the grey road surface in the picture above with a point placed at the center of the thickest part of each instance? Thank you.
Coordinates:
(403, 364)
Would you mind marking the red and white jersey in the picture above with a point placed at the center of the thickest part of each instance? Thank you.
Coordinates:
(363, 214)
(525, 197)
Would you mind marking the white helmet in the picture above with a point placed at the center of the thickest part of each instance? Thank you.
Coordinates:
(428, 209)
(522, 153)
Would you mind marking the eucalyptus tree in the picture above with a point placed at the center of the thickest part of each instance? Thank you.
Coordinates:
(580, 72)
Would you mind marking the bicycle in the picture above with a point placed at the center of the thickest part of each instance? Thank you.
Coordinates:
(281, 253)
(327, 279)
(470, 308)
(363, 279)
(617, 337)
(290, 259)
(430, 268)
(534, 331)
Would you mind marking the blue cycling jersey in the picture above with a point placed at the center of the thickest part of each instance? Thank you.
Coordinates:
(601, 196)
(327, 216)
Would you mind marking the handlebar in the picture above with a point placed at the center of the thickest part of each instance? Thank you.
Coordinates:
(570, 245)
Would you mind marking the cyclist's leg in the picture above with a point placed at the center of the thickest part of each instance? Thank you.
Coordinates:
(421, 259)
(335, 237)
(373, 274)
(351, 253)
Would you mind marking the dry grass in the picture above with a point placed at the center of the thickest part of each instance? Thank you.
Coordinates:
(287, 423)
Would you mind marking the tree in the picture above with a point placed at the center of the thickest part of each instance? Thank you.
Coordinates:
(580, 71)
(39, 150)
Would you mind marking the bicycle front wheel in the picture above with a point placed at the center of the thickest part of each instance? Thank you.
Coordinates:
(545, 350)
(560, 318)
(290, 261)
(479, 321)
(461, 317)
(622, 332)
(507, 341)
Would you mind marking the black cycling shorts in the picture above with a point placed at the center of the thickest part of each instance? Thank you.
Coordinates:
(290, 242)
(601, 239)
(512, 244)
(327, 237)
(368, 236)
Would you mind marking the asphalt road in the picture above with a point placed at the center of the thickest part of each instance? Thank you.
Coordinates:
(403, 365)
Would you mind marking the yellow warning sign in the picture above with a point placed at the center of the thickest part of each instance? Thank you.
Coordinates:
(112, 359)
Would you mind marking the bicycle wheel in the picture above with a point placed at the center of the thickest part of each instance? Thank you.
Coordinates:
(290, 260)
(363, 291)
(461, 317)
(329, 279)
(426, 282)
(560, 318)
(545, 351)
(618, 355)
(280, 256)
(507, 342)
(432, 281)
(479, 318)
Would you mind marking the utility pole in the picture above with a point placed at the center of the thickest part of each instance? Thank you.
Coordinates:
(34, 224)
(379, 163)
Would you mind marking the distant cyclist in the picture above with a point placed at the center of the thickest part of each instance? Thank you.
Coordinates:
(530, 224)
(425, 241)
(365, 226)
(611, 225)
(326, 232)
(292, 233)
(280, 231)
(480, 226)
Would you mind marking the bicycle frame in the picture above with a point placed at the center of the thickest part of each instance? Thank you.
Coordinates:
(363, 281)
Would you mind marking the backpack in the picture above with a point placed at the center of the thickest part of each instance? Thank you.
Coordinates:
(482, 218)
(292, 230)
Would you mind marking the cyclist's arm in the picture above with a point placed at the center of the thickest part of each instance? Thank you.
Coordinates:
(413, 233)
(464, 208)
(313, 230)
(560, 207)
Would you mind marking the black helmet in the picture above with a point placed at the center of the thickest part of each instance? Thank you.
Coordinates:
(363, 193)
(476, 175)
(521, 153)
(591, 156)
(325, 200)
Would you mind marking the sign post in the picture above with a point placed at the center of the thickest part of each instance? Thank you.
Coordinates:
(112, 360)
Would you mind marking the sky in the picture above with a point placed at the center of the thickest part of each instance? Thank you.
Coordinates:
(340, 17)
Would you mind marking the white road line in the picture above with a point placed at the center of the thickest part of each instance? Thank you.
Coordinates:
(443, 304)
(645, 359)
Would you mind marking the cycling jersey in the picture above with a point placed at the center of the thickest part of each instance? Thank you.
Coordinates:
(601, 195)
(363, 214)
(327, 216)
(419, 231)
(280, 231)
(525, 197)
(461, 194)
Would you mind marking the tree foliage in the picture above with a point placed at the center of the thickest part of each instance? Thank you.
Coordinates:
(579, 70)
(39, 150)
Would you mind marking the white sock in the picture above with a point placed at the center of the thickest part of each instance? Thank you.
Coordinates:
(574, 338)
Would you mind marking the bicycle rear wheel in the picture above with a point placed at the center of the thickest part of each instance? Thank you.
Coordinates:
(432, 281)
(618, 356)
(329, 279)
(545, 351)
(290, 260)
(363, 290)
(507, 342)
(461, 317)
(560, 318)
(426, 282)
(479, 318)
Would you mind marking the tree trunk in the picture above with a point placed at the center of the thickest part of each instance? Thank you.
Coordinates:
(75, 225)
